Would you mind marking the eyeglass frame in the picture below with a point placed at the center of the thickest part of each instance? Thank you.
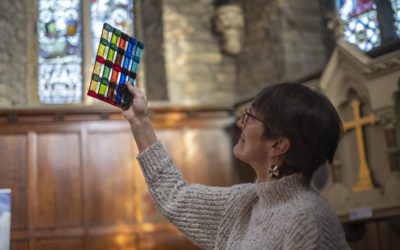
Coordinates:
(247, 113)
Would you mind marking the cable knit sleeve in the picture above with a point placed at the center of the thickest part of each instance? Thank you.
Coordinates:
(195, 209)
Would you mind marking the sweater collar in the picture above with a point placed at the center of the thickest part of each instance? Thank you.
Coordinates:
(284, 189)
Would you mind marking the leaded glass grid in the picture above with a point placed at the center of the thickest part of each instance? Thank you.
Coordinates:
(396, 8)
(118, 13)
(60, 51)
(360, 23)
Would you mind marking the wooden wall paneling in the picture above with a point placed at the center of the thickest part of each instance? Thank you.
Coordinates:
(59, 201)
(172, 140)
(13, 169)
(109, 179)
(32, 181)
(203, 155)
(368, 236)
(208, 156)
(372, 235)
(85, 197)
(384, 235)
(113, 242)
(394, 225)
(83, 186)
(59, 244)
(19, 245)
(164, 241)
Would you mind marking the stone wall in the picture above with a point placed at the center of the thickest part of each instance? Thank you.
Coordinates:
(13, 62)
(283, 41)
(197, 72)
(155, 76)
(302, 35)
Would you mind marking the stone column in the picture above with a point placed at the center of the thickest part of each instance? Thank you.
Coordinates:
(387, 118)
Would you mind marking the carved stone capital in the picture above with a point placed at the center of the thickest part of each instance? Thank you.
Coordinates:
(387, 118)
(229, 23)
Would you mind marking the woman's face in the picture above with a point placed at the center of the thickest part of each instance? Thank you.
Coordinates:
(251, 147)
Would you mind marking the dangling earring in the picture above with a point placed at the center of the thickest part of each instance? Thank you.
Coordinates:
(273, 171)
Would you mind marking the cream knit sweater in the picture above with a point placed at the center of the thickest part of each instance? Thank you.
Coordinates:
(281, 214)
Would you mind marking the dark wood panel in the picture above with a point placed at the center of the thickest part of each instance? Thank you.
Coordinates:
(13, 175)
(59, 244)
(109, 178)
(384, 234)
(374, 235)
(361, 235)
(19, 245)
(394, 225)
(59, 194)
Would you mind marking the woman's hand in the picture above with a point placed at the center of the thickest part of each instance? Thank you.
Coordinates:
(138, 116)
(137, 111)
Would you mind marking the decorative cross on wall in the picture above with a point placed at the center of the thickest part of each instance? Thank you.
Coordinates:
(364, 175)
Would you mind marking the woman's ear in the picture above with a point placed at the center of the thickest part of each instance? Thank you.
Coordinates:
(280, 146)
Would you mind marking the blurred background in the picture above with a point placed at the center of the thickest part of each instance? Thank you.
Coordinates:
(70, 160)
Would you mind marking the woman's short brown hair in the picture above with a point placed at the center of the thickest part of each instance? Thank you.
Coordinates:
(304, 116)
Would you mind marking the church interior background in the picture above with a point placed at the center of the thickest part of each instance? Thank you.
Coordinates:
(70, 161)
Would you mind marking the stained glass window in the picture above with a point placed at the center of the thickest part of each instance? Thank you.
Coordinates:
(60, 51)
(60, 43)
(118, 13)
(361, 24)
(396, 8)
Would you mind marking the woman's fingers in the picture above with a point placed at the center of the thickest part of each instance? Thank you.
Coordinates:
(139, 100)
(135, 91)
(131, 88)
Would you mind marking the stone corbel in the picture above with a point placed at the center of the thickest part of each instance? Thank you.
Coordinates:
(335, 24)
(229, 23)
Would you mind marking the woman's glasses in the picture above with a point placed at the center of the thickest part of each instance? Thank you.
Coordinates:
(245, 117)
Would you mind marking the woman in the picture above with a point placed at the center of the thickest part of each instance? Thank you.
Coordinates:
(287, 133)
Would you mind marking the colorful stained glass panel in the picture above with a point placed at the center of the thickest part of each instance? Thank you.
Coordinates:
(360, 23)
(118, 13)
(352, 8)
(117, 61)
(396, 8)
(60, 51)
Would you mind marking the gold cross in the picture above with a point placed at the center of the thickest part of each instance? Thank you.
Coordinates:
(364, 176)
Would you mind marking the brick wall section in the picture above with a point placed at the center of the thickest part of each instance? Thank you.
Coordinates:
(197, 72)
(283, 41)
(13, 63)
